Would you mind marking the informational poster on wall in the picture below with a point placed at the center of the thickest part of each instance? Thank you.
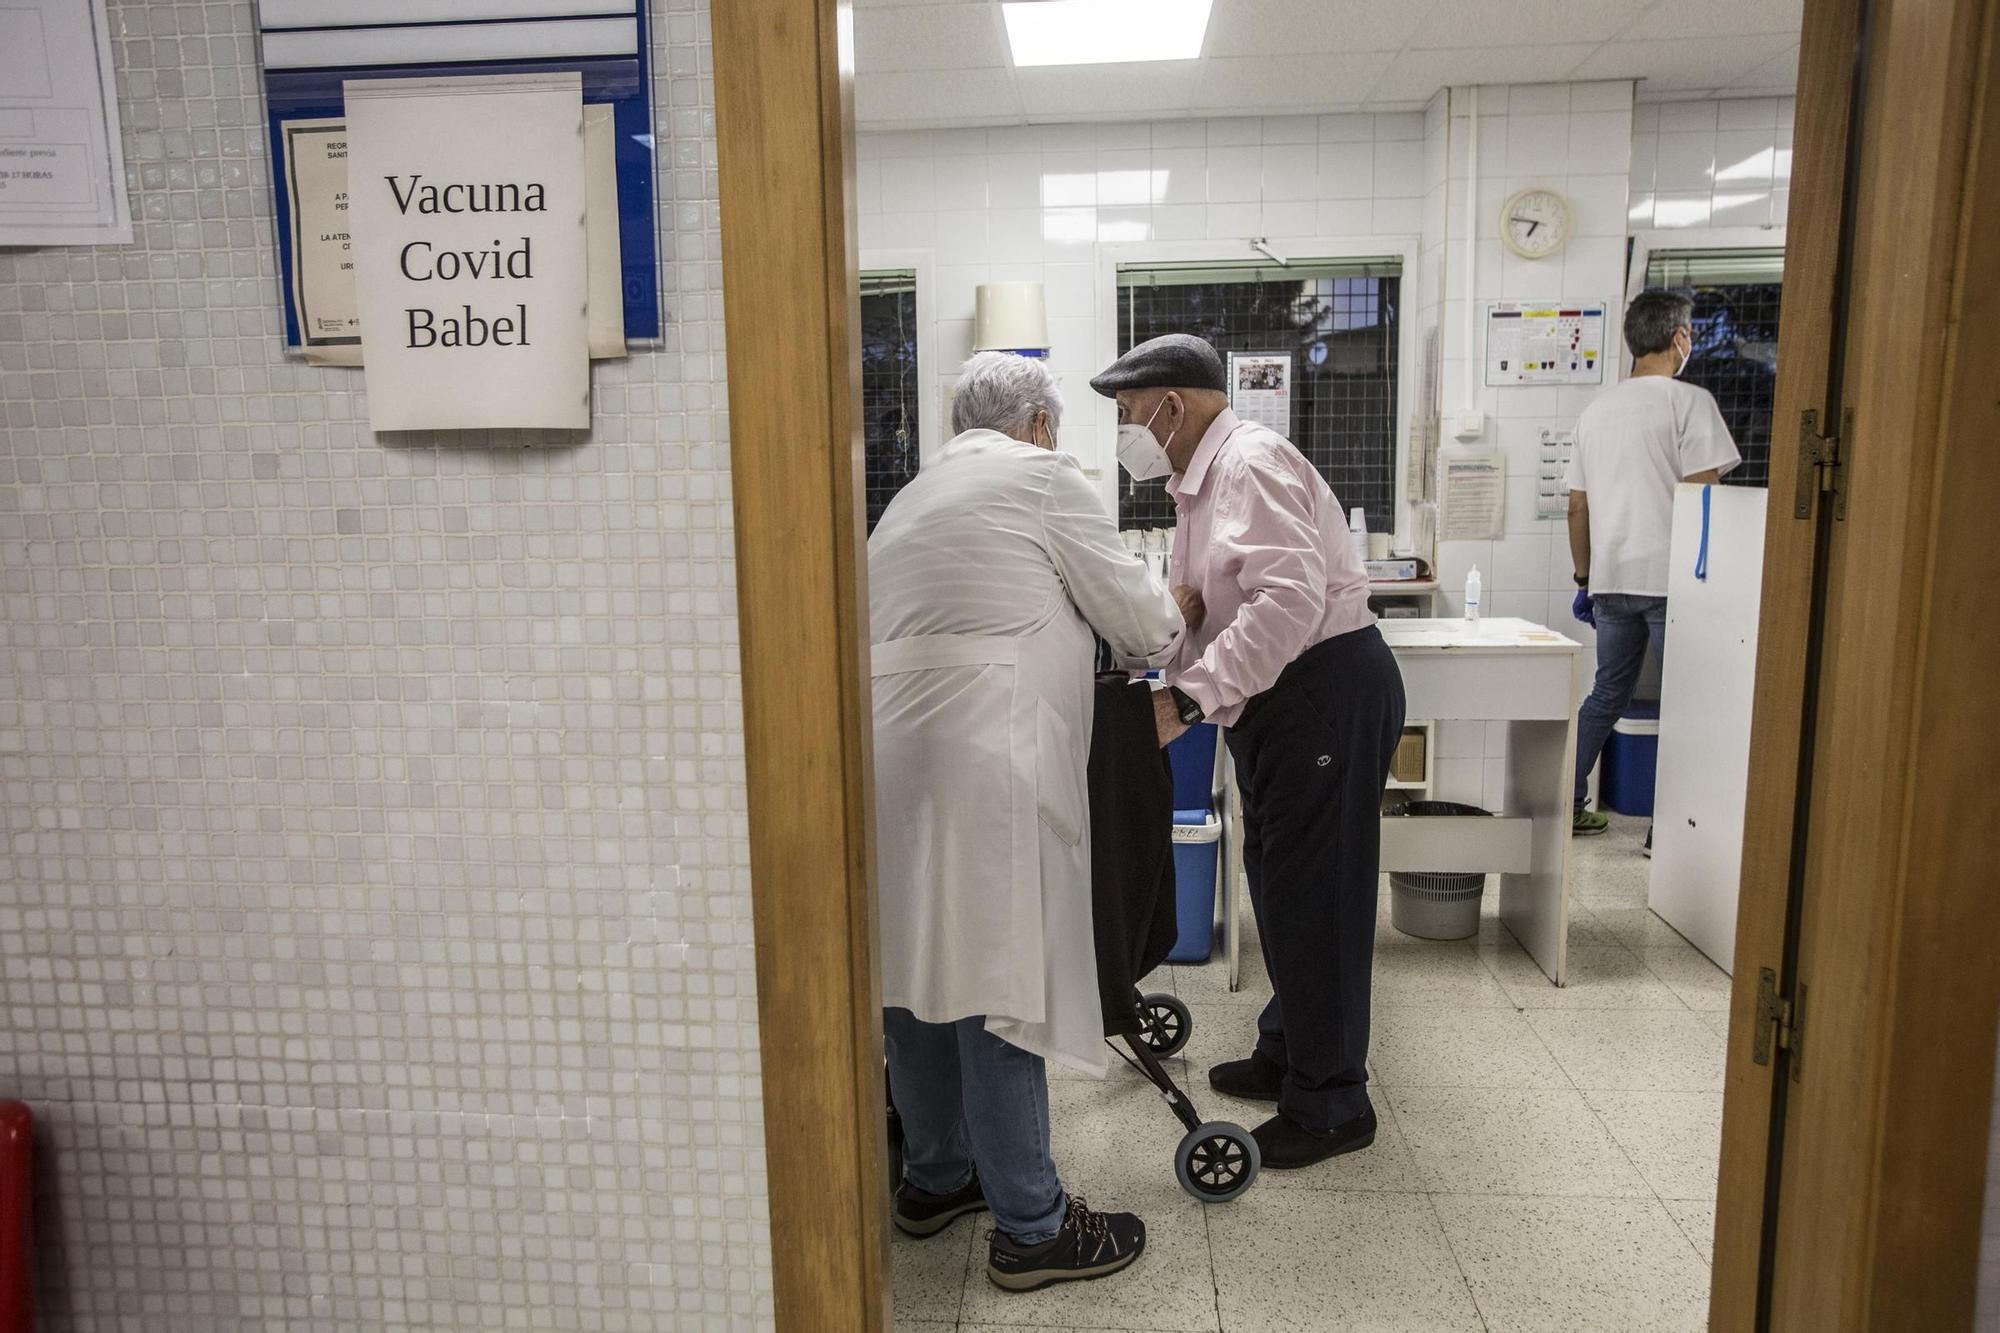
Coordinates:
(322, 268)
(310, 48)
(1541, 342)
(315, 167)
(1475, 496)
(62, 168)
(470, 251)
(1551, 473)
(1260, 389)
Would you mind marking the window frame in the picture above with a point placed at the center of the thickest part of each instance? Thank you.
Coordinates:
(923, 263)
(1714, 239)
(1701, 240)
(1402, 248)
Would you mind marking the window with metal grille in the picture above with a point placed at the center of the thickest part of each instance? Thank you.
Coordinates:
(1736, 297)
(1340, 323)
(889, 411)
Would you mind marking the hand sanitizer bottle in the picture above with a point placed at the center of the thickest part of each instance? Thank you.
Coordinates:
(1357, 534)
(1472, 596)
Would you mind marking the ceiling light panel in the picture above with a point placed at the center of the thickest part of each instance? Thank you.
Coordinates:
(1104, 32)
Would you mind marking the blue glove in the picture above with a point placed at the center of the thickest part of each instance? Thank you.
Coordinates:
(1583, 609)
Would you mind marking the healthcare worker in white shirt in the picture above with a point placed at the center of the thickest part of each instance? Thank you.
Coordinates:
(990, 577)
(1634, 443)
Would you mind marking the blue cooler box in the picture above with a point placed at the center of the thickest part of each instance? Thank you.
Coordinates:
(1197, 838)
(1631, 755)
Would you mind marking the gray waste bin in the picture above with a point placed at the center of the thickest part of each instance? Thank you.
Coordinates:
(1436, 904)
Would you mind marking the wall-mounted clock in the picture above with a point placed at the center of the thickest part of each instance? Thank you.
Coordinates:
(1535, 222)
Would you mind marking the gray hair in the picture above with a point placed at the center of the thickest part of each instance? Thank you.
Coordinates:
(1653, 318)
(1001, 391)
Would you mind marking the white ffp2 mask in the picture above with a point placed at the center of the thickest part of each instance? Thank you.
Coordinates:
(1140, 453)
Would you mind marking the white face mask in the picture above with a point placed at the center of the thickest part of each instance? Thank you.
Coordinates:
(1686, 357)
(1140, 453)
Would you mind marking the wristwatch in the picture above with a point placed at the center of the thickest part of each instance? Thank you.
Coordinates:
(1582, 580)
(1185, 705)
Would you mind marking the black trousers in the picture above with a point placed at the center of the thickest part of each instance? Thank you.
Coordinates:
(1312, 758)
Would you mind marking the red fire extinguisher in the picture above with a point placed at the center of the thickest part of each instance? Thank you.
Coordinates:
(17, 1299)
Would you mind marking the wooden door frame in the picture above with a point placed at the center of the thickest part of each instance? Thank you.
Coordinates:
(1894, 866)
(784, 113)
(785, 147)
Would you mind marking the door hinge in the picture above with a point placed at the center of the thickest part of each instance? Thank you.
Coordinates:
(1779, 1020)
(1822, 464)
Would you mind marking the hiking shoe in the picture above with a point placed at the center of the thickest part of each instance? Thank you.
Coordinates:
(1589, 823)
(918, 1213)
(1090, 1245)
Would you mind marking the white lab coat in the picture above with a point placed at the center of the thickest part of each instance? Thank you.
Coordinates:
(987, 574)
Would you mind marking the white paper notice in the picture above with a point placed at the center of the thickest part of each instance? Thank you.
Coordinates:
(471, 265)
(62, 169)
(1552, 473)
(1260, 389)
(1544, 342)
(1475, 496)
(315, 169)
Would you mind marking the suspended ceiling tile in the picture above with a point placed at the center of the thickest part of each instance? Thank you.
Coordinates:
(1419, 74)
(1120, 91)
(1716, 18)
(968, 97)
(1297, 27)
(1685, 63)
(1460, 24)
(926, 37)
(1273, 83)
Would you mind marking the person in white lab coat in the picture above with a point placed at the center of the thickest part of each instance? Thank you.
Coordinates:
(988, 575)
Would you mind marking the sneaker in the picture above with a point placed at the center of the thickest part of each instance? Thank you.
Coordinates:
(920, 1214)
(1589, 823)
(1089, 1245)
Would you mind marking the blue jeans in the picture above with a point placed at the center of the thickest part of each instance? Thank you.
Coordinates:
(1624, 625)
(967, 1097)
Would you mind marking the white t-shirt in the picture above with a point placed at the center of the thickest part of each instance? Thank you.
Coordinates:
(1634, 443)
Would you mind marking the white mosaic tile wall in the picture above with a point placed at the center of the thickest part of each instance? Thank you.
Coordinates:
(374, 892)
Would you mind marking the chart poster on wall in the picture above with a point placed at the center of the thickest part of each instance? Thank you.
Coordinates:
(1544, 342)
(1552, 472)
(470, 252)
(1260, 389)
(62, 168)
(310, 48)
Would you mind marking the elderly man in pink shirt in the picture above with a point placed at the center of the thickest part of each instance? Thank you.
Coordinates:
(1289, 662)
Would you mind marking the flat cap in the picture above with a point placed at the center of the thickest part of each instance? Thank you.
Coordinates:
(1176, 361)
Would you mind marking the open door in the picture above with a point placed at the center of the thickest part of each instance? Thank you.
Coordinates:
(1860, 1074)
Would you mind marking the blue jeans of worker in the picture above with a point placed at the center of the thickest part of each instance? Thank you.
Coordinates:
(966, 1097)
(1625, 624)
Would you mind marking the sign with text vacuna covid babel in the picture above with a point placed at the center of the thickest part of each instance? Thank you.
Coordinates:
(470, 253)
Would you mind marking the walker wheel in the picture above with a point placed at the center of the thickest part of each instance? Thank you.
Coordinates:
(1168, 1025)
(1217, 1162)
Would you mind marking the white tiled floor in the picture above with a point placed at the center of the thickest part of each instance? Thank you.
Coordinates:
(1545, 1164)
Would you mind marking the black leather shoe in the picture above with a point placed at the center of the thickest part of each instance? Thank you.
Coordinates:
(1257, 1079)
(1286, 1145)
